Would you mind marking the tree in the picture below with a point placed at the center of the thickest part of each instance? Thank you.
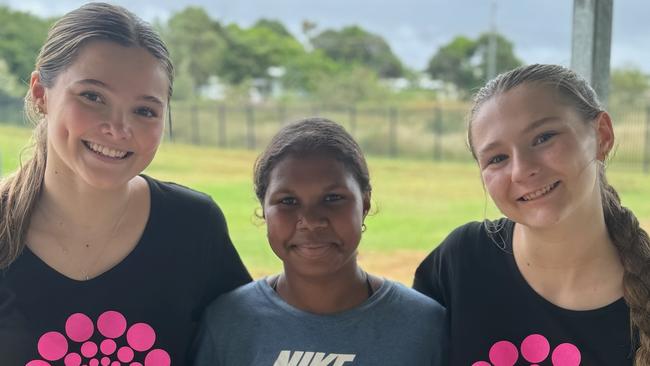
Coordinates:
(505, 57)
(349, 86)
(250, 52)
(10, 87)
(195, 43)
(21, 38)
(630, 87)
(463, 61)
(453, 63)
(353, 45)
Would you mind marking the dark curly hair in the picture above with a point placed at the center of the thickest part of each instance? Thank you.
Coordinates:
(310, 136)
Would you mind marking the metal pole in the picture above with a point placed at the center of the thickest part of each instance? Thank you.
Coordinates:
(353, 121)
(437, 132)
(392, 131)
(195, 125)
(250, 124)
(221, 120)
(591, 43)
(646, 145)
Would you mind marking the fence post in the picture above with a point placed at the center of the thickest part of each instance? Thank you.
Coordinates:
(195, 125)
(221, 121)
(250, 127)
(282, 114)
(646, 158)
(169, 120)
(392, 131)
(352, 112)
(437, 134)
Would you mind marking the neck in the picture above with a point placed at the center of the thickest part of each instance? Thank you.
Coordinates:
(572, 244)
(324, 294)
(575, 266)
(74, 204)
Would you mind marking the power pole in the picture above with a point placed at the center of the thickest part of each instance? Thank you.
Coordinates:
(591, 43)
(492, 44)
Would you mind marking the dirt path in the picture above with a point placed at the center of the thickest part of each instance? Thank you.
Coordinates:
(399, 265)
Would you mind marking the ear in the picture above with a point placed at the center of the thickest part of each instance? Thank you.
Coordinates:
(37, 92)
(604, 135)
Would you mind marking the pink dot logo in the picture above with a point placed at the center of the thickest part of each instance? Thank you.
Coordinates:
(141, 337)
(119, 346)
(535, 349)
(79, 327)
(566, 354)
(52, 346)
(111, 324)
(503, 353)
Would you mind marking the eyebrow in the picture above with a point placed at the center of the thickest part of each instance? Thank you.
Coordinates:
(286, 190)
(148, 98)
(530, 127)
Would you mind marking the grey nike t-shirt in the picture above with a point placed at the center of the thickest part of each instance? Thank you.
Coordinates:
(253, 326)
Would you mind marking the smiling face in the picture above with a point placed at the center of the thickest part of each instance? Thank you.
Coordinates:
(314, 209)
(105, 114)
(538, 157)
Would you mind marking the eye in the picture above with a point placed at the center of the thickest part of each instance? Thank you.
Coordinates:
(288, 201)
(333, 197)
(92, 96)
(542, 138)
(497, 159)
(146, 112)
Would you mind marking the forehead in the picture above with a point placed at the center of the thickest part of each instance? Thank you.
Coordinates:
(313, 169)
(129, 69)
(513, 111)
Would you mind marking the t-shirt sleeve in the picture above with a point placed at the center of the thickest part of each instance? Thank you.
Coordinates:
(226, 270)
(434, 275)
(205, 347)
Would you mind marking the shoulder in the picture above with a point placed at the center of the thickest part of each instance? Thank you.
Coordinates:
(415, 301)
(242, 301)
(473, 236)
(182, 202)
(175, 193)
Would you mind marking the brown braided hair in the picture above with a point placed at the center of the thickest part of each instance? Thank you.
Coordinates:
(630, 239)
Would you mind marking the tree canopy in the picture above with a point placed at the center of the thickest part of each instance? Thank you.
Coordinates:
(353, 45)
(463, 61)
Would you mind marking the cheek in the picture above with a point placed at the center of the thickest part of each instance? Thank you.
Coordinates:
(278, 226)
(493, 182)
(149, 135)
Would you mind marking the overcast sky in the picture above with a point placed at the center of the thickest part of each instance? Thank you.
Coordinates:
(540, 30)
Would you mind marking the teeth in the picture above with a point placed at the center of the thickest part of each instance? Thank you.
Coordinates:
(116, 154)
(538, 193)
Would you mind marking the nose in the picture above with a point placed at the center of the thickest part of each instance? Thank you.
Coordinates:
(524, 166)
(117, 126)
(311, 218)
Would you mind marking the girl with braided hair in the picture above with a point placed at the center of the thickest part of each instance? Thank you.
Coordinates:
(564, 278)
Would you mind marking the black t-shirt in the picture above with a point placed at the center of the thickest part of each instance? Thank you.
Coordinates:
(497, 319)
(143, 311)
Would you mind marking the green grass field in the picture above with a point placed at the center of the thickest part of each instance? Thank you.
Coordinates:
(416, 203)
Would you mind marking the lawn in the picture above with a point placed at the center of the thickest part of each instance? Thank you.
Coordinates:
(415, 202)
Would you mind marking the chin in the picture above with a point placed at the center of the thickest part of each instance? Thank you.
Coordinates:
(107, 181)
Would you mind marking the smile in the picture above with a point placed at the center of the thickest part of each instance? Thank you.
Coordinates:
(106, 151)
(539, 193)
(312, 250)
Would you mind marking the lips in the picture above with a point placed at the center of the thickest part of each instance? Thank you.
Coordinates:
(313, 250)
(541, 192)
